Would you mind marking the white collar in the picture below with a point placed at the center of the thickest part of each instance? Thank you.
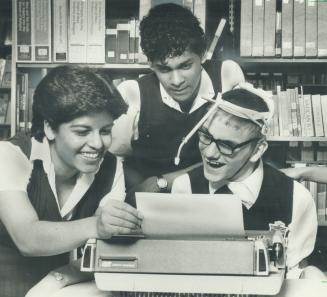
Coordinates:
(41, 151)
(206, 90)
(248, 189)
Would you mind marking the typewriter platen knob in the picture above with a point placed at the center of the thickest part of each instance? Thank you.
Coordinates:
(277, 253)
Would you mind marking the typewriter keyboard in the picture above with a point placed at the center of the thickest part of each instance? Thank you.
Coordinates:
(157, 294)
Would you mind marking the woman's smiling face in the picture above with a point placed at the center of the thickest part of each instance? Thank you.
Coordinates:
(79, 145)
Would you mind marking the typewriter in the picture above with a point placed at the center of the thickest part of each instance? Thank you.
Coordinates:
(189, 267)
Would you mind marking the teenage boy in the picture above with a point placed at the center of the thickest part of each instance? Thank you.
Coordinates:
(232, 142)
(165, 104)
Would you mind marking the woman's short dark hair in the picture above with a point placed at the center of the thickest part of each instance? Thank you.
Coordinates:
(170, 29)
(68, 92)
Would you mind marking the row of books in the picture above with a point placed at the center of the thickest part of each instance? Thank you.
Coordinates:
(77, 31)
(270, 81)
(298, 114)
(318, 192)
(307, 151)
(286, 28)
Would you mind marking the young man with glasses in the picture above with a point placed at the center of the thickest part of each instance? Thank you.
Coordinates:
(232, 141)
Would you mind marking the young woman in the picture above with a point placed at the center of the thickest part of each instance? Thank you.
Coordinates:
(51, 182)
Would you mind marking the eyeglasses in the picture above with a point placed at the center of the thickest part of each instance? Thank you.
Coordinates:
(224, 148)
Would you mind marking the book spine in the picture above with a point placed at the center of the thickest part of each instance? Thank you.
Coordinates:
(77, 31)
(287, 28)
(311, 24)
(123, 41)
(257, 28)
(308, 119)
(246, 28)
(299, 28)
(23, 31)
(41, 31)
(278, 35)
(132, 40)
(323, 99)
(111, 42)
(322, 29)
(60, 32)
(317, 116)
(95, 48)
(269, 28)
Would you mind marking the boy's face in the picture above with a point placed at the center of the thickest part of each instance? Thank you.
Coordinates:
(180, 76)
(219, 167)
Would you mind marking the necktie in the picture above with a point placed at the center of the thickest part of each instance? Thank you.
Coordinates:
(223, 190)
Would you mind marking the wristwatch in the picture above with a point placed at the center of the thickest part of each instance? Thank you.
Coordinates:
(162, 184)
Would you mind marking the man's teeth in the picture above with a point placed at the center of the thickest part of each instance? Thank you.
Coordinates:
(214, 163)
(91, 155)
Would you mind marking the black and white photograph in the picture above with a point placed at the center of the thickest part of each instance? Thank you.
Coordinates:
(163, 148)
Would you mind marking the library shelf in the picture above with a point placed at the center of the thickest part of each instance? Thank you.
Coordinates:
(296, 138)
(102, 66)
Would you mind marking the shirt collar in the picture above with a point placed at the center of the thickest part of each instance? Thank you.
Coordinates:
(206, 90)
(41, 151)
(248, 189)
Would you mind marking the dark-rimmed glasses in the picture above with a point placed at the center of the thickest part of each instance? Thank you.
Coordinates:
(224, 148)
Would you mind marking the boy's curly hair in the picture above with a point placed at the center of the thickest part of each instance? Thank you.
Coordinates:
(170, 29)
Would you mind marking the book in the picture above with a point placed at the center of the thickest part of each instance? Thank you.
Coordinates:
(308, 117)
(299, 98)
(23, 31)
(307, 151)
(41, 31)
(299, 28)
(311, 24)
(4, 102)
(269, 28)
(287, 28)
(77, 31)
(132, 40)
(123, 28)
(322, 29)
(95, 44)
(317, 116)
(321, 202)
(323, 101)
(60, 30)
(111, 41)
(278, 34)
(257, 28)
(246, 28)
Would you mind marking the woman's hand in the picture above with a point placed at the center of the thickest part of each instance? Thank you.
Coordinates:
(117, 217)
(295, 173)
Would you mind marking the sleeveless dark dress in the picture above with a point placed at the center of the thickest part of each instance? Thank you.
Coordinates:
(18, 273)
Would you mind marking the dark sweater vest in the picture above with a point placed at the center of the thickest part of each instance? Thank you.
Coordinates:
(26, 271)
(274, 203)
(161, 130)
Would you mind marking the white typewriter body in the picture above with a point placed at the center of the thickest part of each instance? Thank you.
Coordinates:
(250, 264)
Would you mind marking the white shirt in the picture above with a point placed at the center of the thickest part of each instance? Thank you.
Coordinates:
(126, 126)
(18, 169)
(303, 227)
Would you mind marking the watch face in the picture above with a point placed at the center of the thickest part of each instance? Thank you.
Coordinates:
(162, 183)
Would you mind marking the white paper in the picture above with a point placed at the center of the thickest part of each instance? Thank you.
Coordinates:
(190, 215)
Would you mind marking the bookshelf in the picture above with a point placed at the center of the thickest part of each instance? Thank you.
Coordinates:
(292, 69)
(5, 67)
